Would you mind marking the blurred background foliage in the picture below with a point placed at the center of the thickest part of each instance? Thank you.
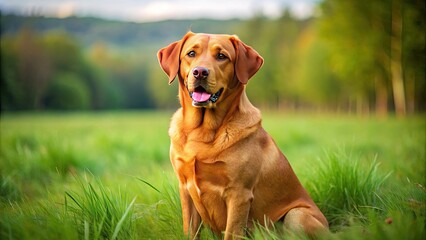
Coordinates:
(353, 56)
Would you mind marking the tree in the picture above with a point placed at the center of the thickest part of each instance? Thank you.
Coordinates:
(33, 68)
(396, 58)
(67, 92)
(10, 90)
(414, 54)
(316, 85)
(356, 35)
(41, 68)
(368, 42)
(127, 73)
(276, 41)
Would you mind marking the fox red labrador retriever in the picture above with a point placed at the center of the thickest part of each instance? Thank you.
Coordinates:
(230, 171)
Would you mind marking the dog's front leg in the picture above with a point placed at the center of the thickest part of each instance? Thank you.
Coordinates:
(238, 208)
(190, 216)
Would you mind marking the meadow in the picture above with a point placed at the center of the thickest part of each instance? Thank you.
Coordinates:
(107, 175)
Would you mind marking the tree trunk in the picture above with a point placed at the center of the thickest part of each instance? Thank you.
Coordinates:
(381, 98)
(395, 60)
(410, 84)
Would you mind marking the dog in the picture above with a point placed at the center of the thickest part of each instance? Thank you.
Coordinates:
(230, 171)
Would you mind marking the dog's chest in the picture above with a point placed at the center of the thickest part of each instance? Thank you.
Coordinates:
(204, 175)
(206, 182)
(211, 180)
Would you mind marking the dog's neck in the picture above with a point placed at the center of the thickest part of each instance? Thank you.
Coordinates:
(236, 106)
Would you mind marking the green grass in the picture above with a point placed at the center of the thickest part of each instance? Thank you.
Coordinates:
(344, 190)
(108, 176)
(99, 213)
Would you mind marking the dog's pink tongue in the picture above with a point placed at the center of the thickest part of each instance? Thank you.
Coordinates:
(200, 96)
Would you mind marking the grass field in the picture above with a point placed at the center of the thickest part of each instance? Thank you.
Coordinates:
(108, 176)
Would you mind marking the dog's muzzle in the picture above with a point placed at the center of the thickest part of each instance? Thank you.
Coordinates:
(201, 98)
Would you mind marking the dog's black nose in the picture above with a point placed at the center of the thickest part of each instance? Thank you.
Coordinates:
(200, 73)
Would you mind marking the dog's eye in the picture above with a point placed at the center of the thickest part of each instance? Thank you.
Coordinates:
(221, 56)
(191, 53)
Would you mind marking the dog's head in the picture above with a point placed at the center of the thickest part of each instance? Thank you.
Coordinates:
(209, 65)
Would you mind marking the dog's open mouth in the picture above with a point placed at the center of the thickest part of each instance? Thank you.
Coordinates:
(200, 97)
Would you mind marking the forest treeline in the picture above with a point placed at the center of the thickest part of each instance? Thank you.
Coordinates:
(353, 56)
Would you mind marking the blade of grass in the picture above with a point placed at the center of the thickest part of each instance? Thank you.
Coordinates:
(120, 223)
(149, 184)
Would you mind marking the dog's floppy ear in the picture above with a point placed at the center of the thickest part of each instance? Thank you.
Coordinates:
(169, 57)
(247, 62)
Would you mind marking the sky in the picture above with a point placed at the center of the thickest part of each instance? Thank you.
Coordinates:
(156, 10)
